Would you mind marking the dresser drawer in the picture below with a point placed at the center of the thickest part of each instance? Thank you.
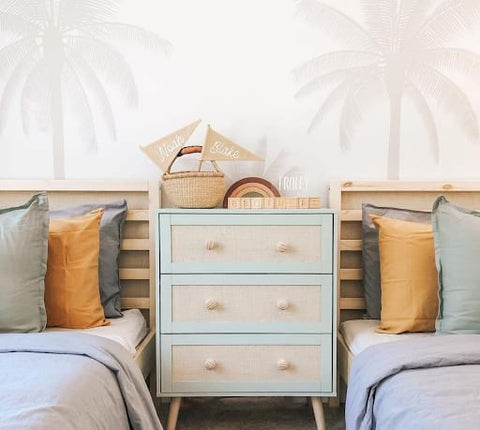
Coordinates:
(246, 303)
(246, 363)
(250, 242)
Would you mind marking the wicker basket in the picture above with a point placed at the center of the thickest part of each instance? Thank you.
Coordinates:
(195, 190)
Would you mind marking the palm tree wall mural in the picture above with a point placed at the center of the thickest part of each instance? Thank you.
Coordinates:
(63, 53)
(404, 50)
(273, 168)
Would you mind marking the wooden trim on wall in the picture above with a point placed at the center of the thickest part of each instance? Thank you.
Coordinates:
(73, 185)
(138, 215)
(410, 186)
(335, 202)
(154, 202)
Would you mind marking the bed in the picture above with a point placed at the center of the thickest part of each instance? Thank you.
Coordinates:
(416, 380)
(125, 348)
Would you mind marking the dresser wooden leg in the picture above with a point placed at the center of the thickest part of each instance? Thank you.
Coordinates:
(173, 412)
(317, 407)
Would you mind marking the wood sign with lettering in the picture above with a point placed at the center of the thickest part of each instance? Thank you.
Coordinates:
(220, 148)
(163, 151)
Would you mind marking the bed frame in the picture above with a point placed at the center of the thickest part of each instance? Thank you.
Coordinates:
(137, 257)
(347, 197)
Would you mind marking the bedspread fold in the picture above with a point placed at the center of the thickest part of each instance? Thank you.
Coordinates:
(71, 381)
(418, 383)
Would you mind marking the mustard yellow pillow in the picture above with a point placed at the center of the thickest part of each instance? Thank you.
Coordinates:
(72, 294)
(409, 280)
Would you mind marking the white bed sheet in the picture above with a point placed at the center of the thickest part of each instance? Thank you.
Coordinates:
(128, 331)
(360, 334)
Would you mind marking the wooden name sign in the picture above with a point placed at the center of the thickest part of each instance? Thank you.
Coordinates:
(220, 148)
(164, 151)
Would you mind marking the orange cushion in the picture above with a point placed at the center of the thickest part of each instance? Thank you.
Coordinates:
(409, 280)
(72, 294)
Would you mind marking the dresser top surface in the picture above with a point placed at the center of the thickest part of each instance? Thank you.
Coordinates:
(247, 211)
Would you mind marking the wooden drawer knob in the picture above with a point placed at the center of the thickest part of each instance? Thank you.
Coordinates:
(210, 364)
(282, 247)
(282, 304)
(210, 244)
(211, 304)
(283, 364)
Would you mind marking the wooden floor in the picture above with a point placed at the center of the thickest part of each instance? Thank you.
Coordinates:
(255, 413)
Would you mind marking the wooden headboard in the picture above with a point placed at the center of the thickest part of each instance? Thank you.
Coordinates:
(137, 258)
(347, 197)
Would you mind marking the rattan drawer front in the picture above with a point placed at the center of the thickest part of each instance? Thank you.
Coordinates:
(251, 243)
(202, 363)
(246, 303)
(246, 244)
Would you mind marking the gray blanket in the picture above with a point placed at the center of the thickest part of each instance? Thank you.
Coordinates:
(428, 383)
(71, 381)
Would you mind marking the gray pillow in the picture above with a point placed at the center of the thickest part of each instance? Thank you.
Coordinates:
(370, 254)
(23, 264)
(110, 238)
(456, 232)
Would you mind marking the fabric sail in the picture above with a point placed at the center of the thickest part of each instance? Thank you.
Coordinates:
(163, 151)
(218, 147)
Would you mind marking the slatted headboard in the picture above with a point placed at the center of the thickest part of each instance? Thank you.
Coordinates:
(137, 258)
(347, 197)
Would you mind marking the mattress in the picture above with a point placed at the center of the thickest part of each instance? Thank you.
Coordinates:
(128, 331)
(360, 334)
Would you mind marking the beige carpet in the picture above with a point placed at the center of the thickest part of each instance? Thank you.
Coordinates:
(260, 413)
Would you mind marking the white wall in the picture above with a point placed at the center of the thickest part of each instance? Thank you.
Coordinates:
(232, 64)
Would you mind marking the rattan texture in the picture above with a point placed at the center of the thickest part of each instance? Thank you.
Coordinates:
(195, 189)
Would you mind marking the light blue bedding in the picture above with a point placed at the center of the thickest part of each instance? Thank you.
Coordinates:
(71, 381)
(421, 384)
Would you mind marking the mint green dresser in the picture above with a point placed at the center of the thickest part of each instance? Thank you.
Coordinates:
(246, 304)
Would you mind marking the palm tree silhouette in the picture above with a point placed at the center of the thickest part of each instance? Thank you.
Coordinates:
(271, 169)
(62, 53)
(403, 50)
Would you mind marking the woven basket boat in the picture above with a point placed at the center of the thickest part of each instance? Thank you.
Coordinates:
(195, 189)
